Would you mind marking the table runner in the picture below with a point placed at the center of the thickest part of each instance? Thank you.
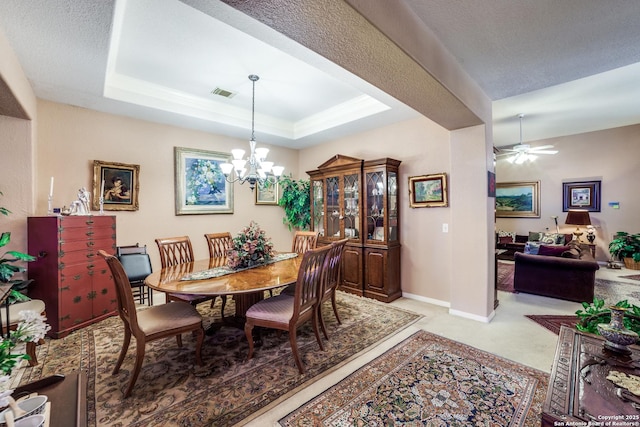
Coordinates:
(221, 271)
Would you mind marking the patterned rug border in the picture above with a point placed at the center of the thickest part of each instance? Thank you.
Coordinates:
(553, 322)
(334, 368)
(537, 399)
(90, 347)
(631, 276)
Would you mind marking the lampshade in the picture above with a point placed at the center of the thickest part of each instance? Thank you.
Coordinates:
(578, 217)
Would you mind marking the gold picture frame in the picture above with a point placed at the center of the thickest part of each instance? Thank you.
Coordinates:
(118, 183)
(428, 191)
(518, 199)
(267, 194)
(201, 187)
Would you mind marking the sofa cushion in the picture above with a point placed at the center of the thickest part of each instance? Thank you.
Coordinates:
(552, 250)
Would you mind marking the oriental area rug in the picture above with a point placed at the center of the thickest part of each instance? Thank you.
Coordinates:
(172, 391)
(430, 380)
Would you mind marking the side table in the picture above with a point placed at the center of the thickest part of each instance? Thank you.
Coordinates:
(579, 392)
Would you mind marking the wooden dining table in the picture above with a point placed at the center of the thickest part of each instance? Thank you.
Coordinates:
(247, 286)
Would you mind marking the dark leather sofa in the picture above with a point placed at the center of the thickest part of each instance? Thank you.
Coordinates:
(571, 279)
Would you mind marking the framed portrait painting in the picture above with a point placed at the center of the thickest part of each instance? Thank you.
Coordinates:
(118, 183)
(518, 199)
(267, 194)
(200, 185)
(428, 191)
(581, 195)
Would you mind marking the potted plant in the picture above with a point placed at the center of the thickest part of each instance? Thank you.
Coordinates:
(626, 247)
(10, 266)
(295, 200)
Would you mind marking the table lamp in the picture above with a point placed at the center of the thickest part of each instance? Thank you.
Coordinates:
(578, 218)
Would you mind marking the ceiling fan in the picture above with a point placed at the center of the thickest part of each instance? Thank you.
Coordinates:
(520, 153)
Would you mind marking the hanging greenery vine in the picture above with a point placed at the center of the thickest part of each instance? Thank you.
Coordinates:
(295, 200)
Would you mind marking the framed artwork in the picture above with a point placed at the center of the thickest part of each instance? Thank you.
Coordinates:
(201, 187)
(267, 194)
(581, 195)
(518, 199)
(428, 191)
(118, 183)
(491, 184)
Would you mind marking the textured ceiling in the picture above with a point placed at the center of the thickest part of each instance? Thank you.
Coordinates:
(570, 66)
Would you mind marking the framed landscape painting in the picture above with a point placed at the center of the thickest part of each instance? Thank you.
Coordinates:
(118, 184)
(518, 199)
(427, 191)
(267, 194)
(581, 195)
(200, 185)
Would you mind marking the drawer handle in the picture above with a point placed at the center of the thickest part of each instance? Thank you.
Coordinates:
(90, 255)
(90, 233)
(90, 243)
(89, 222)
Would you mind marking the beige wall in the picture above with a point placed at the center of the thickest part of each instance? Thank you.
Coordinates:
(428, 255)
(70, 138)
(609, 155)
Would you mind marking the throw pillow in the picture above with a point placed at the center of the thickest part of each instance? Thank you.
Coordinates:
(552, 238)
(531, 248)
(552, 250)
(534, 236)
(505, 239)
(509, 234)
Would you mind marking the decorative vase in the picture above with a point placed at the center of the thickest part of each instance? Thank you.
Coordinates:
(617, 336)
(591, 238)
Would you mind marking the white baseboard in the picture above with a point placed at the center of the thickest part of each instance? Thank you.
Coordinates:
(427, 300)
(484, 319)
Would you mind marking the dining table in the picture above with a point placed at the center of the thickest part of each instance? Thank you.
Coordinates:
(212, 277)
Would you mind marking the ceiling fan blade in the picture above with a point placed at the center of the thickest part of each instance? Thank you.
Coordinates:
(536, 151)
(542, 147)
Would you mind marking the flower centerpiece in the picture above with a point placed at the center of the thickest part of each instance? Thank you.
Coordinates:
(31, 328)
(250, 247)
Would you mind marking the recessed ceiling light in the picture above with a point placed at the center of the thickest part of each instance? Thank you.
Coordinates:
(223, 92)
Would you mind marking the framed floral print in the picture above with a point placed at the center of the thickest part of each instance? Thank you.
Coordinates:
(427, 191)
(118, 183)
(200, 185)
(267, 194)
(581, 195)
(518, 199)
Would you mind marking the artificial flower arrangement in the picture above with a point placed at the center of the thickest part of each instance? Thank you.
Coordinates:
(250, 247)
(31, 328)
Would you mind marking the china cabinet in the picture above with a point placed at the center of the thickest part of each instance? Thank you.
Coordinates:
(357, 199)
(69, 276)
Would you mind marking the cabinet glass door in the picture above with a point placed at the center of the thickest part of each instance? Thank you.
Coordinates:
(375, 203)
(333, 207)
(392, 200)
(318, 207)
(351, 207)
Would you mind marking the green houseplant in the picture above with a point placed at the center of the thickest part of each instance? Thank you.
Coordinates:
(626, 247)
(10, 265)
(295, 200)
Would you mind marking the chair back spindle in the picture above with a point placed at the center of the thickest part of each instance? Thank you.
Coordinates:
(219, 244)
(304, 241)
(175, 250)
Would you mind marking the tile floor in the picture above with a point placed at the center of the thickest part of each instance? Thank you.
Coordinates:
(509, 335)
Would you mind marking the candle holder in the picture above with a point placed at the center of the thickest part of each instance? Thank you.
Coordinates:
(50, 205)
(101, 205)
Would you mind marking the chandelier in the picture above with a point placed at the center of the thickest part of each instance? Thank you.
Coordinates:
(254, 169)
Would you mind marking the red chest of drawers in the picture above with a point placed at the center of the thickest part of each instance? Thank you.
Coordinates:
(68, 275)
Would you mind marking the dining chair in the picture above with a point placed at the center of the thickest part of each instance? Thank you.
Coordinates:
(178, 250)
(331, 281)
(137, 265)
(219, 244)
(303, 241)
(153, 323)
(288, 312)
